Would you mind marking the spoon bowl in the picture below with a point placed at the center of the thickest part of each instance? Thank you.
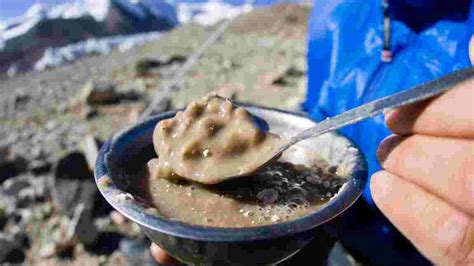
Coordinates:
(117, 174)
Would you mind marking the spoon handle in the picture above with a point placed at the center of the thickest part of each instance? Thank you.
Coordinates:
(381, 105)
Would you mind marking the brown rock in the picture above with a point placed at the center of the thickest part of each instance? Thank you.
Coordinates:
(99, 92)
(73, 183)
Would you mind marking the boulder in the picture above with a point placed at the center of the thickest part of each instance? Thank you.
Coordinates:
(3, 217)
(11, 165)
(5, 152)
(14, 186)
(130, 94)
(73, 183)
(39, 167)
(97, 92)
(145, 65)
(8, 206)
(37, 152)
(26, 197)
(21, 97)
(288, 76)
(10, 250)
(176, 59)
(23, 190)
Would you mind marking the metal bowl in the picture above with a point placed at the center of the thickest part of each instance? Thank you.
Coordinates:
(120, 165)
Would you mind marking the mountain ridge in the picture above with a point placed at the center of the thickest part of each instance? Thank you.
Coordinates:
(24, 39)
(65, 29)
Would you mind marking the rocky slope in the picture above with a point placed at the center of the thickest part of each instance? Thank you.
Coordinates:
(45, 118)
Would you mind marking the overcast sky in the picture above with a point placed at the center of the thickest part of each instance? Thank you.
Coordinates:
(13, 8)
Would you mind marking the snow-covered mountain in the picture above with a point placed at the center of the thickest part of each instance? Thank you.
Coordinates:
(24, 39)
(76, 28)
(140, 13)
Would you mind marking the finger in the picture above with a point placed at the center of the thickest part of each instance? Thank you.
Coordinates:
(443, 166)
(451, 114)
(161, 256)
(440, 232)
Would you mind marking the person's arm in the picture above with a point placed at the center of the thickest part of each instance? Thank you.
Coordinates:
(427, 186)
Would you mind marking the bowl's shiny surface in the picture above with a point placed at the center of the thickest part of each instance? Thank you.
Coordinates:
(118, 170)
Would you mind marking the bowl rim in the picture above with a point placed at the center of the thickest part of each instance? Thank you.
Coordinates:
(134, 210)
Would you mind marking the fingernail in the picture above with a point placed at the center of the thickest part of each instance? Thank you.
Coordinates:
(386, 146)
(381, 186)
(388, 116)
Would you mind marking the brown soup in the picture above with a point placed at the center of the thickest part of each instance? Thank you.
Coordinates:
(212, 140)
(280, 192)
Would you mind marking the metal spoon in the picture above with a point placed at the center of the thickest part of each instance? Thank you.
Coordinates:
(416, 94)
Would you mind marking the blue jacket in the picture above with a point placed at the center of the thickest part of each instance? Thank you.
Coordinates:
(430, 38)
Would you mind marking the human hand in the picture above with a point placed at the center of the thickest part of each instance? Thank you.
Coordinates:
(427, 186)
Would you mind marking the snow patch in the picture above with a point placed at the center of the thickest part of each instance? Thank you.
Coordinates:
(20, 29)
(97, 8)
(209, 13)
(54, 57)
(67, 11)
(37, 11)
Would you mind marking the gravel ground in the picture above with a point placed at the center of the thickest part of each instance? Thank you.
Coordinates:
(260, 60)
